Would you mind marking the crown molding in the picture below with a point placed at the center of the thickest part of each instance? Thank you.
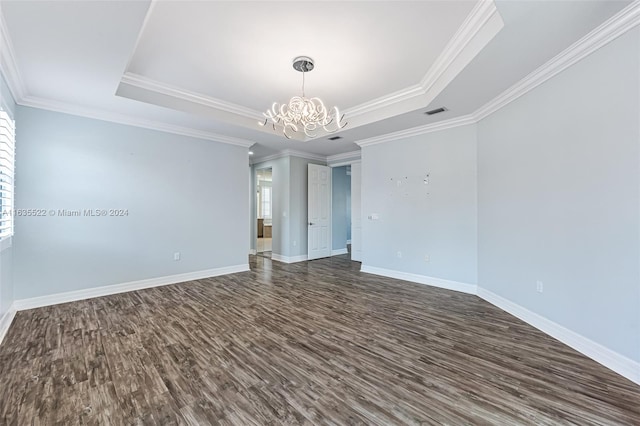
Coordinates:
(345, 163)
(19, 91)
(480, 15)
(97, 114)
(143, 27)
(353, 155)
(385, 101)
(442, 68)
(146, 83)
(164, 95)
(306, 155)
(614, 27)
(420, 130)
(270, 157)
(8, 63)
(289, 153)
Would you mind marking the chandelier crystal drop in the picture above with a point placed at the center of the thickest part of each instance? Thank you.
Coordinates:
(302, 113)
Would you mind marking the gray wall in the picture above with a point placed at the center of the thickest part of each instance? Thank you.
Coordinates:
(557, 178)
(182, 194)
(341, 207)
(438, 219)
(6, 256)
(559, 198)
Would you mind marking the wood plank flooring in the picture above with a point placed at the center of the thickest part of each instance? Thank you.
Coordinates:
(308, 343)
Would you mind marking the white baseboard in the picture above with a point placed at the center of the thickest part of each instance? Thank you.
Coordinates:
(253, 251)
(5, 321)
(421, 279)
(348, 241)
(288, 259)
(339, 252)
(619, 363)
(614, 361)
(72, 296)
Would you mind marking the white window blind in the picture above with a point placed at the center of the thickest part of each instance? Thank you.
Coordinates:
(7, 162)
(266, 202)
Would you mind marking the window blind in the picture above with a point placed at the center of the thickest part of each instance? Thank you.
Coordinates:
(7, 162)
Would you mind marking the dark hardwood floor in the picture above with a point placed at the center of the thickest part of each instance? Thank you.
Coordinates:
(309, 343)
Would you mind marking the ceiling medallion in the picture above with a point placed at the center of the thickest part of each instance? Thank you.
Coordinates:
(302, 113)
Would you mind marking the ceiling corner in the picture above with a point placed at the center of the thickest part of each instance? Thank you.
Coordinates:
(9, 65)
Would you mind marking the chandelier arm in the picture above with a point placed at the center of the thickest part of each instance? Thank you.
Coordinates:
(310, 127)
(284, 129)
(308, 133)
(274, 111)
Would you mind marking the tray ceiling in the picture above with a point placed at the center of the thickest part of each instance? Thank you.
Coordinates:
(209, 69)
(374, 60)
(242, 53)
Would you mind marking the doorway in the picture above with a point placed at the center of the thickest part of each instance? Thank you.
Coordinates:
(341, 210)
(264, 212)
(346, 210)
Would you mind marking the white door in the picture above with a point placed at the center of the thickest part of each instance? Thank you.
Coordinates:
(356, 213)
(319, 212)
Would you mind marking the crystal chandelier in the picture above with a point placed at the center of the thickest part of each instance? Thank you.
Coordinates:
(302, 113)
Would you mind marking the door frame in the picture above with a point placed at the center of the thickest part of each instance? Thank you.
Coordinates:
(330, 211)
(255, 210)
(348, 163)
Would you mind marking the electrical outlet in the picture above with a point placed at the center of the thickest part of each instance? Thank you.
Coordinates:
(426, 258)
(539, 286)
(399, 254)
(176, 255)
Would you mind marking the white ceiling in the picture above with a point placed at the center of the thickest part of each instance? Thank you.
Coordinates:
(75, 56)
(242, 52)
